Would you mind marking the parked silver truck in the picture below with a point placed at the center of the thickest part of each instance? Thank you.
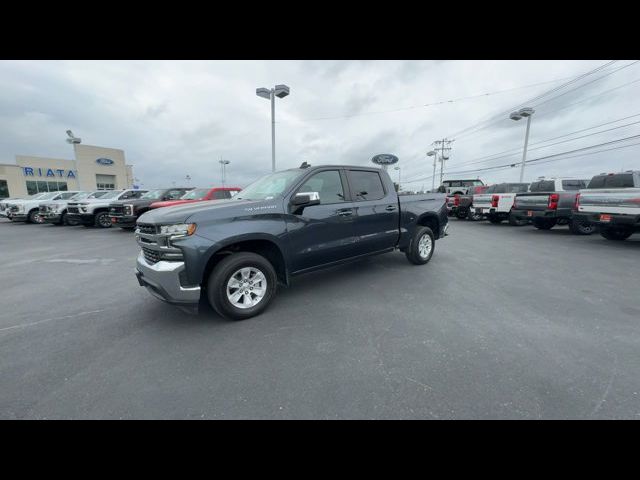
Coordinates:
(55, 212)
(612, 202)
(95, 212)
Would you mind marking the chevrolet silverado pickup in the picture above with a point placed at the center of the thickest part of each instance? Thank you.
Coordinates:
(124, 213)
(199, 195)
(550, 202)
(95, 212)
(497, 201)
(234, 252)
(55, 212)
(29, 210)
(612, 202)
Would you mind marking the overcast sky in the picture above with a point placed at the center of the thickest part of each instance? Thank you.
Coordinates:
(174, 118)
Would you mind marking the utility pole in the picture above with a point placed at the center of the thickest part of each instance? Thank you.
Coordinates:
(444, 147)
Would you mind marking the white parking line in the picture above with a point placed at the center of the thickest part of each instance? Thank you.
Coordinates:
(22, 325)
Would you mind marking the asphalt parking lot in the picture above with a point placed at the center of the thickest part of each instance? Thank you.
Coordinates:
(504, 322)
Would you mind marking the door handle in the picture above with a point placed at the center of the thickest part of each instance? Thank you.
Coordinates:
(390, 208)
(345, 213)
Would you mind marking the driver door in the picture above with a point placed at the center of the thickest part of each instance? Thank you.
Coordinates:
(325, 233)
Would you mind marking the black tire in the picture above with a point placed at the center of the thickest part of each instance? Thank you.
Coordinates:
(517, 222)
(581, 228)
(616, 233)
(462, 214)
(34, 217)
(222, 273)
(473, 216)
(494, 219)
(102, 220)
(544, 223)
(413, 250)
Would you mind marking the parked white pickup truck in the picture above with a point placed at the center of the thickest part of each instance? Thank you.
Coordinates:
(28, 210)
(612, 202)
(497, 201)
(95, 212)
(55, 212)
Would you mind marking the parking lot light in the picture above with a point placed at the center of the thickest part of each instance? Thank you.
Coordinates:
(279, 91)
(520, 114)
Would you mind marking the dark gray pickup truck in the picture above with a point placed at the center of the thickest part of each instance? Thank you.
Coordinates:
(234, 252)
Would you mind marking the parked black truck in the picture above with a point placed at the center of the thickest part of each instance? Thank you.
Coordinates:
(234, 252)
(550, 202)
(124, 213)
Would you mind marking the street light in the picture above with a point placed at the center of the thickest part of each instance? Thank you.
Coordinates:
(399, 176)
(279, 91)
(433, 154)
(520, 114)
(223, 167)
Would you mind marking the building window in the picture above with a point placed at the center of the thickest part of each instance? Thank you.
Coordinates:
(105, 182)
(34, 187)
(4, 189)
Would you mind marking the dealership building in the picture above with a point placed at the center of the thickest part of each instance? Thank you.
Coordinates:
(92, 168)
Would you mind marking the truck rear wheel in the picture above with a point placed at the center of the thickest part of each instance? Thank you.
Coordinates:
(473, 216)
(517, 222)
(420, 249)
(616, 233)
(462, 213)
(581, 228)
(494, 219)
(544, 223)
(241, 286)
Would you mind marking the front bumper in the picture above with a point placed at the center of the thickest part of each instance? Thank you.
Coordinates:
(83, 218)
(18, 217)
(123, 220)
(51, 217)
(162, 280)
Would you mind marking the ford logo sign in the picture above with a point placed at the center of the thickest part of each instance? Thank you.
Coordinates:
(104, 161)
(385, 159)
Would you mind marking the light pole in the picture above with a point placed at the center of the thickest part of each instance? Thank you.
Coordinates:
(399, 176)
(433, 154)
(279, 91)
(188, 179)
(223, 167)
(523, 113)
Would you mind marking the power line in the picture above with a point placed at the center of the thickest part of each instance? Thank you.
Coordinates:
(575, 79)
(441, 102)
(511, 165)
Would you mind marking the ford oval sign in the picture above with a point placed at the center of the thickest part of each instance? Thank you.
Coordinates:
(385, 159)
(104, 161)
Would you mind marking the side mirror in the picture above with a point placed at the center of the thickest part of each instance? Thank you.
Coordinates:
(306, 199)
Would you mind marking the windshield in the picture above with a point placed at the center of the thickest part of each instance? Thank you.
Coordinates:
(99, 194)
(36, 196)
(153, 195)
(270, 186)
(196, 194)
(110, 194)
(622, 180)
(47, 196)
(543, 186)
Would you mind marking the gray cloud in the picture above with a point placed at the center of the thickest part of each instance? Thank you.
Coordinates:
(179, 117)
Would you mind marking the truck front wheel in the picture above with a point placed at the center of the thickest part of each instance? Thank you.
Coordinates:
(420, 249)
(241, 285)
(103, 220)
(616, 233)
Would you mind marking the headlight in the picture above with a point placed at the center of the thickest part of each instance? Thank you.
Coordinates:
(128, 209)
(181, 229)
(83, 209)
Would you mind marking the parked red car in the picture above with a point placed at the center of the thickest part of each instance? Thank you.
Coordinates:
(200, 195)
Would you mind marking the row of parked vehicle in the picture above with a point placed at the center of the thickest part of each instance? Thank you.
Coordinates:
(608, 203)
(104, 208)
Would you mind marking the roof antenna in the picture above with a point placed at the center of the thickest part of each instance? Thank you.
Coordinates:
(305, 165)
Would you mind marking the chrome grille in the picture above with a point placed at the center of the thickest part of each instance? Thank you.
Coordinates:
(73, 210)
(116, 210)
(151, 256)
(148, 229)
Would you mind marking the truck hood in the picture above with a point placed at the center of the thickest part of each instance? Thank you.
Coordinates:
(171, 203)
(209, 210)
(136, 202)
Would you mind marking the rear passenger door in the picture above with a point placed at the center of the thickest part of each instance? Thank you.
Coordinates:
(377, 217)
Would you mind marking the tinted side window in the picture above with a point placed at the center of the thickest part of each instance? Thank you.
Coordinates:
(572, 184)
(221, 194)
(544, 186)
(624, 180)
(328, 184)
(366, 185)
(596, 182)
